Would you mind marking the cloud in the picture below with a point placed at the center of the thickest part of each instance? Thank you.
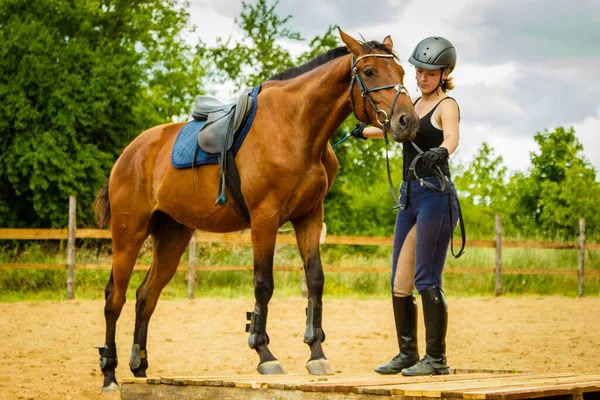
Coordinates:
(588, 132)
(531, 31)
(313, 17)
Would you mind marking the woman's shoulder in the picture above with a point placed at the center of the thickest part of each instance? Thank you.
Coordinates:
(448, 103)
(449, 106)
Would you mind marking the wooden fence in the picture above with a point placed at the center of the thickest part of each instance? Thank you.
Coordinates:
(71, 233)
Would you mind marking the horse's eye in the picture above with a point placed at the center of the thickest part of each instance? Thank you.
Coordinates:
(369, 73)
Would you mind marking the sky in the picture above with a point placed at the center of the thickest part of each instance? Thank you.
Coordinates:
(522, 66)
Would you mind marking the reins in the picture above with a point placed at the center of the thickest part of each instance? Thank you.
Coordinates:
(444, 187)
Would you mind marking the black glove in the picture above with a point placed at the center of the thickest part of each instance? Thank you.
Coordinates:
(358, 131)
(436, 155)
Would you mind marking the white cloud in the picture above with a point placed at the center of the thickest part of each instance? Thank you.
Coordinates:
(513, 149)
(471, 74)
(588, 132)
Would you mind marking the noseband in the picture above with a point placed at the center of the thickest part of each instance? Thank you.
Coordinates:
(364, 92)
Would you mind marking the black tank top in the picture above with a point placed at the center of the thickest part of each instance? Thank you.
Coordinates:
(427, 138)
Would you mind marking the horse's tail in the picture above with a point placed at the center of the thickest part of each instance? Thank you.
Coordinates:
(102, 207)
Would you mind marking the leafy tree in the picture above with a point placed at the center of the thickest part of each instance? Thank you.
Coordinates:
(482, 190)
(78, 81)
(560, 188)
(258, 56)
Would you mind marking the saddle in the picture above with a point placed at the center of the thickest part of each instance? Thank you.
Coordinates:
(223, 121)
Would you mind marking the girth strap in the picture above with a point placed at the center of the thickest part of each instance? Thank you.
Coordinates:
(234, 184)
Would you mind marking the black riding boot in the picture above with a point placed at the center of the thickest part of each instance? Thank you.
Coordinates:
(405, 314)
(435, 311)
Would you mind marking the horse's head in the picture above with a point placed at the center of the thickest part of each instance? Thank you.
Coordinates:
(377, 79)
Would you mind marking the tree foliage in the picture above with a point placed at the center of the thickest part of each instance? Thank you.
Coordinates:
(78, 80)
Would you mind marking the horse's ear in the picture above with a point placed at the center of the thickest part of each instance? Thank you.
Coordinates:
(388, 42)
(351, 44)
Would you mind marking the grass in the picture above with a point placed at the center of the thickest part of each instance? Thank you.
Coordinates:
(18, 285)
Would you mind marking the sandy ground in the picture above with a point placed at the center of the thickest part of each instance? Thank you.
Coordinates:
(47, 348)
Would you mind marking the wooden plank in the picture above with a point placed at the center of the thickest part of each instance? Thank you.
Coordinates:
(33, 234)
(541, 391)
(429, 386)
(581, 258)
(33, 266)
(143, 392)
(245, 238)
(378, 384)
(71, 248)
(458, 388)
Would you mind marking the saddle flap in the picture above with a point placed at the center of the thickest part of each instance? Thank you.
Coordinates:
(222, 124)
(206, 105)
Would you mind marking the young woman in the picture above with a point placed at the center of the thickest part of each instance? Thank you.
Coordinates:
(423, 229)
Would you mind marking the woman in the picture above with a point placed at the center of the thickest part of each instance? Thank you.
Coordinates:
(423, 229)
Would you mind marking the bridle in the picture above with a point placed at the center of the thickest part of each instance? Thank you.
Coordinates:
(364, 92)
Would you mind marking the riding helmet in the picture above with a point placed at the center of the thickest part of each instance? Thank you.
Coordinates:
(434, 52)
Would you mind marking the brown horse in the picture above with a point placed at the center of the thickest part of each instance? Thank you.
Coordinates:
(286, 167)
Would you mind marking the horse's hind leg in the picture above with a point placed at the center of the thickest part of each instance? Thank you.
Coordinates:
(264, 234)
(128, 234)
(170, 240)
(308, 233)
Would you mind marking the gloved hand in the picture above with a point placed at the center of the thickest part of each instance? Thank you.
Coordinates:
(435, 156)
(358, 131)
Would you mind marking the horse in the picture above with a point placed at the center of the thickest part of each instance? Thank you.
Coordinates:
(286, 167)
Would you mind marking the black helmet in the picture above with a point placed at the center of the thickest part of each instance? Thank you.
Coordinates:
(434, 52)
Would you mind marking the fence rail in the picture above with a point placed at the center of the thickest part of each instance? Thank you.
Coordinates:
(71, 233)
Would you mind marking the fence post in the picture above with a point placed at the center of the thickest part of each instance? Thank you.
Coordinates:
(581, 253)
(192, 267)
(498, 289)
(71, 248)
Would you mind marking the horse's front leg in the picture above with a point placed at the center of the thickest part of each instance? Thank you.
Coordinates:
(308, 233)
(264, 234)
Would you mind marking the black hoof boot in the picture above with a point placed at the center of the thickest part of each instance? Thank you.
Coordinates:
(405, 315)
(138, 361)
(435, 311)
(108, 364)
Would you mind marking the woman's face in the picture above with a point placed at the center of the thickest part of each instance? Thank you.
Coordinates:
(427, 80)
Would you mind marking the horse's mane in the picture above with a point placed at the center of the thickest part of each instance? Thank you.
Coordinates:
(325, 58)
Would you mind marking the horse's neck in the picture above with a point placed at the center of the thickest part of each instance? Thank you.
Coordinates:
(318, 103)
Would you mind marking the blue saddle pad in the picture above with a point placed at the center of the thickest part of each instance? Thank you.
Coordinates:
(186, 146)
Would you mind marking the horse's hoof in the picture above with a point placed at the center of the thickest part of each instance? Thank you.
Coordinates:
(113, 387)
(319, 367)
(271, 368)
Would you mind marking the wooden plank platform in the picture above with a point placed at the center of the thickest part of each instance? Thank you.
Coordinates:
(489, 385)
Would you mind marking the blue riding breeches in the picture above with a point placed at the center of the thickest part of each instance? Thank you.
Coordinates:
(428, 209)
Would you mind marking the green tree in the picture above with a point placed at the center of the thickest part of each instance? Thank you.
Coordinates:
(78, 81)
(259, 55)
(560, 188)
(481, 185)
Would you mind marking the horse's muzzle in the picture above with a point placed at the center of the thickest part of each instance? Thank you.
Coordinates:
(405, 127)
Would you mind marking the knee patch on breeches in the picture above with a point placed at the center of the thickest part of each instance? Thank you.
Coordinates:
(404, 279)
